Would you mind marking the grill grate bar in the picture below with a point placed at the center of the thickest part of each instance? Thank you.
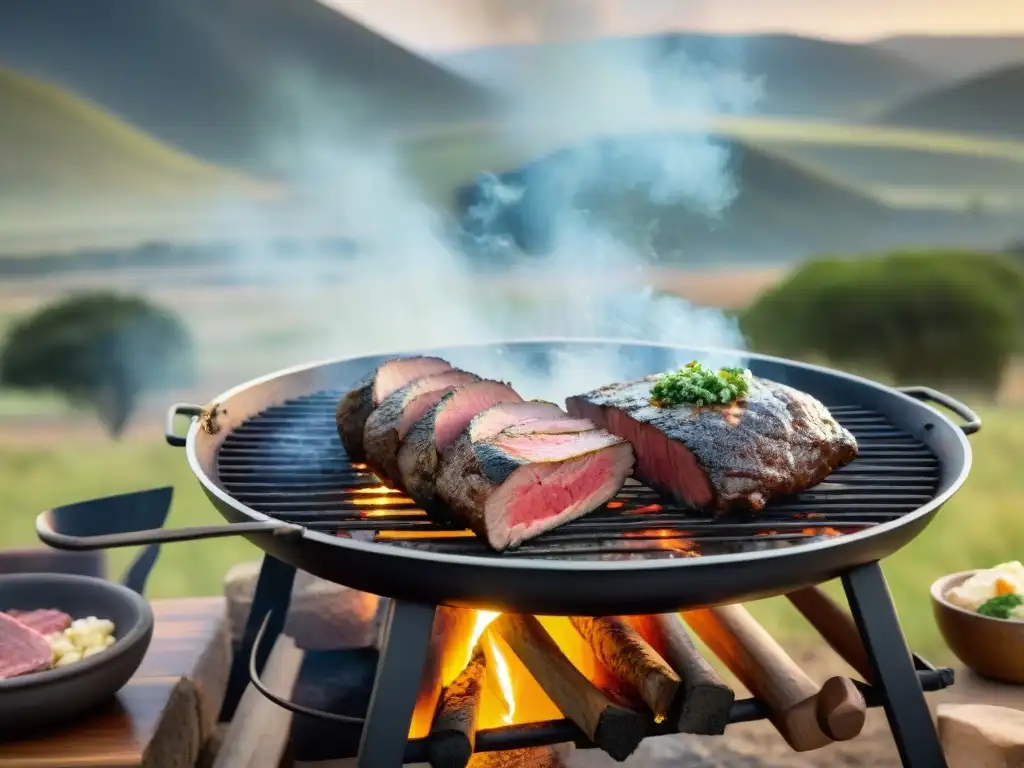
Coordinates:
(287, 462)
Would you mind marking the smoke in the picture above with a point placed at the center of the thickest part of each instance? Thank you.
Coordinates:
(413, 283)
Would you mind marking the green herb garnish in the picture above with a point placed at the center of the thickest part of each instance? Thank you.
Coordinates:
(696, 384)
(1000, 606)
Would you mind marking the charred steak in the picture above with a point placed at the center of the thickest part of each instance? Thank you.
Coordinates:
(440, 426)
(22, 649)
(389, 422)
(355, 407)
(775, 442)
(530, 477)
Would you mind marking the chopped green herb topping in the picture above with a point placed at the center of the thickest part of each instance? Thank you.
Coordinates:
(696, 384)
(1001, 606)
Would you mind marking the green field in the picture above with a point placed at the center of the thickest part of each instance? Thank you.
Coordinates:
(979, 527)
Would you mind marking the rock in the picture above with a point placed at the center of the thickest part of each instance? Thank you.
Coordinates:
(981, 736)
(323, 616)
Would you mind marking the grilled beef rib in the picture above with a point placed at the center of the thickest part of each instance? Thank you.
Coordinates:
(775, 442)
(356, 406)
(428, 438)
(22, 649)
(531, 476)
(389, 422)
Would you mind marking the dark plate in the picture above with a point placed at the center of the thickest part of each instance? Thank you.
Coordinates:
(45, 699)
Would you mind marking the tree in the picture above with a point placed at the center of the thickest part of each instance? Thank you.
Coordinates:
(99, 349)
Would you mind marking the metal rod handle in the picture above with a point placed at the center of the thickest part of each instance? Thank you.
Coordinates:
(179, 409)
(45, 531)
(972, 422)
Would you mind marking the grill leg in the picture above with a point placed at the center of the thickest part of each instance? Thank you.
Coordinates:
(273, 593)
(895, 676)
(407, 633)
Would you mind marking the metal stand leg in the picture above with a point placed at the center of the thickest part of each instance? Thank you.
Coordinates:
(404, 654)
(895, 677)
(273, 593)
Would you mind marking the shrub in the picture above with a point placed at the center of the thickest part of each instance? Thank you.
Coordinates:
(949, 319)
(99, 349)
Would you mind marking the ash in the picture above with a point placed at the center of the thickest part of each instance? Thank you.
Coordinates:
(677, 752)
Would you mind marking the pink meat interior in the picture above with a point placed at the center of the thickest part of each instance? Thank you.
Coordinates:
(424, 393)
(660, 460)
(465, 403)
(498, 417)
(547, 426)
(395, 374)
(539, 497)
(557, 446)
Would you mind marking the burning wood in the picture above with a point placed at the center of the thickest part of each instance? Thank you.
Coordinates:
(623, 651)
(453, 733)
(703, 700)
(613, 726)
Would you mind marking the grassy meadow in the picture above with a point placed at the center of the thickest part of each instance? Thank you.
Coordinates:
(50, 455)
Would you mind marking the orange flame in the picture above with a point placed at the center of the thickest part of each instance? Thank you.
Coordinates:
(501, 671)
(648, 509)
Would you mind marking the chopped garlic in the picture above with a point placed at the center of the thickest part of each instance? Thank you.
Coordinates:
(68, 658)
(84, 638)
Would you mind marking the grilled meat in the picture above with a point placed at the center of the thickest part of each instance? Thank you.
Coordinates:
(530, 477)
(493, 420)
(775, 442)
(22, 649)
(45, 621)
(355, 407)
(428, 438)
(389, 422)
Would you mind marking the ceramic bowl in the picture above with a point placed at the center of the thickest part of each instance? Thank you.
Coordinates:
(43, 699)
(992, 648)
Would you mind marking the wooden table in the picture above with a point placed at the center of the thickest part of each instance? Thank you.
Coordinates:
(164, 715)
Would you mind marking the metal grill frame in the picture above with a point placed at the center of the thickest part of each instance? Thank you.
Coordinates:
(524, 585)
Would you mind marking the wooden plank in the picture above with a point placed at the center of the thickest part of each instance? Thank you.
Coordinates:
(162, 717)
(259, 731)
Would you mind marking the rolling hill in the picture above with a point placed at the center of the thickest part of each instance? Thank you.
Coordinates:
(956, 56)
(232, 81)
(992, 102)
(800, 75)
(782, 211)
(66, 163)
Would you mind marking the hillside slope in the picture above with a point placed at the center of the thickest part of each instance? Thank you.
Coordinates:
(56, 146)
(989, 103)
(229, 80)
(800, 75)
(782, 210)
(956, 56)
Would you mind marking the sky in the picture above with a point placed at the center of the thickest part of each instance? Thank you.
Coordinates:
(454, 24)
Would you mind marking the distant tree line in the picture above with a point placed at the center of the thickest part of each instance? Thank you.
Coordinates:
(953, 319)
(98, 350)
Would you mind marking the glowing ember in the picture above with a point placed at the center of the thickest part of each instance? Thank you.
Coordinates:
(377, 490)
(360, 467)
(615, 504)
(645, 510)
(827, 531)
(403, 535)
(667, 538)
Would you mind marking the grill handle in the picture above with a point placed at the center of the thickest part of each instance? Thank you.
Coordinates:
(972, 422)
(179, 409)
(121, 521)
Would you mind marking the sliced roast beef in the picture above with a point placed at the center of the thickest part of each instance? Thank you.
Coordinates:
(493, 420)
(774, 442)
(431, 435)
(391, 375)
(22, 649)
(389, 422)
(45, 621)
(512, 486)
